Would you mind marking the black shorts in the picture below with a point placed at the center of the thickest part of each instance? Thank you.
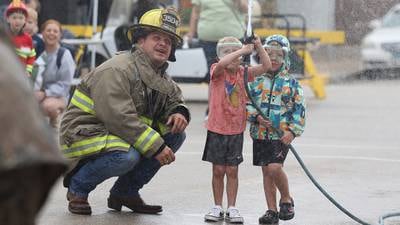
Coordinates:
(266, 152)
(223, 149)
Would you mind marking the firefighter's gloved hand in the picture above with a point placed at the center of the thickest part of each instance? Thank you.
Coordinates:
(166, 156)
(178, 123)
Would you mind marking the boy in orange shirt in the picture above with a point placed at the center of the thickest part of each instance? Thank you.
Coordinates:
(227, 121)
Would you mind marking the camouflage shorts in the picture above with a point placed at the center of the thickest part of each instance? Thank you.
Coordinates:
(223, 149)
(266, 152)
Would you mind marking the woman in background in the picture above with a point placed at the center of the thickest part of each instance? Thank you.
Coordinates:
(56, 69)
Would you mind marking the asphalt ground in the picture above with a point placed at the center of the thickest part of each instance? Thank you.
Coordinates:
(351, 145)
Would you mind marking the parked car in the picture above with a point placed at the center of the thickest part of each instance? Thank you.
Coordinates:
(381, 47)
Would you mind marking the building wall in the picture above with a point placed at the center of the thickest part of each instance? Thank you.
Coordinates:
(354, 16)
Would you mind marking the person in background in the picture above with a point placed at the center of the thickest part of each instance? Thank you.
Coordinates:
(30, 159)
(280, 98)
(227, 121)
(56, 70)
(212, 20)
(31, 28)
(16, 15)
(33, 4)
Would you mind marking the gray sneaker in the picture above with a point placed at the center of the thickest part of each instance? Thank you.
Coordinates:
(216, 214)
(233, 216)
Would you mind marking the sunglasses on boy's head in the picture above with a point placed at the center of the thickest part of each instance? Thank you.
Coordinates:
(224, 49)
(275, 52)
(227, 50)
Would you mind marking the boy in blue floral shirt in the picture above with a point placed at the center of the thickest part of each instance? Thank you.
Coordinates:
(280, 98)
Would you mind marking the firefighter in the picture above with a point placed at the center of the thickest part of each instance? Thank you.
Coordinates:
(30, 160)
(126, 118)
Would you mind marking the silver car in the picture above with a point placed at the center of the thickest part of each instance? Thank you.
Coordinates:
(381, 47)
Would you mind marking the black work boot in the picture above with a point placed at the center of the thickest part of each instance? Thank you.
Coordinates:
(269, 218)
(286, 211)
(136, 204)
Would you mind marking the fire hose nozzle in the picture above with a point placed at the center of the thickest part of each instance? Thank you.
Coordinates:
(249, 39)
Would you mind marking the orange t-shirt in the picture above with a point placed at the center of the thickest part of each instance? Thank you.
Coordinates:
(227, 103)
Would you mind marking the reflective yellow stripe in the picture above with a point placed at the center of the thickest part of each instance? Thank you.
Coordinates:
(84, 147)
(148, 121)
(84, 97)
(154, 136)
(25, 54)
(93, 145)
(83, 102)
(114, 141)
(89, 146)
(146, 139)
(141, 139)
(163, 128)
(83, 152)
(33, 53)
(22, 55)
(29, 68)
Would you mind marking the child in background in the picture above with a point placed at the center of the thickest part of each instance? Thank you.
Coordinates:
(16, 15)
(227, 121)
(31, 28)
(280, 97)
(33, 4)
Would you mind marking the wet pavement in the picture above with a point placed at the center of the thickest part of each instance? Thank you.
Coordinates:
(351, 145)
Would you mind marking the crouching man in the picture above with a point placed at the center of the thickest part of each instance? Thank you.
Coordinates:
(126, 118)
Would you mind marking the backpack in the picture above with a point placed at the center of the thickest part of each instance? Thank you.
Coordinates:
(60, 54)
(37, 77)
